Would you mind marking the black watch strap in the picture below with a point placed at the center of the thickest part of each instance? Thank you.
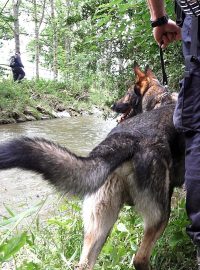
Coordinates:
(160, 21)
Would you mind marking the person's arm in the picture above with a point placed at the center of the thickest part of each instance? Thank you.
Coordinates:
(157, 9)
(165, 33)
(19, 60)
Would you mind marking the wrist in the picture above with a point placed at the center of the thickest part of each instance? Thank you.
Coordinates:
(159, 21)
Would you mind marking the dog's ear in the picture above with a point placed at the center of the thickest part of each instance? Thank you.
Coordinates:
(138, 72)
(149, 73)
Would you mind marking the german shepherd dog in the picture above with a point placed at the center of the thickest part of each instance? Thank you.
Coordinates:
(139, 163)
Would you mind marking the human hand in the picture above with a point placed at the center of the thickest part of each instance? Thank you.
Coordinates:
(167, 33)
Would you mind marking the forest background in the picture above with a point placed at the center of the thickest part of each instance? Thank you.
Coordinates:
(83, 49)
(87, 49)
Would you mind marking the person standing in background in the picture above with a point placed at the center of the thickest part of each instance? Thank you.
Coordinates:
(17, 67)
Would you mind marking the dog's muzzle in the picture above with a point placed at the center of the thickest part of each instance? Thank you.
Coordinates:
(120, 108)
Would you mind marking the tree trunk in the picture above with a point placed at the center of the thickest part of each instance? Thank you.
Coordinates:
(55, 41)
(38, 22)
(16, 4)
(37, 57)
(68, 40)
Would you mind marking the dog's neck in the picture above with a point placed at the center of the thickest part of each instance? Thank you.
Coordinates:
(164, 99)
(155, 96)
(155, 81)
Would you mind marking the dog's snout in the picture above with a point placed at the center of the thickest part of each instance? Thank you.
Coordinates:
(120, 107)
(113, 107)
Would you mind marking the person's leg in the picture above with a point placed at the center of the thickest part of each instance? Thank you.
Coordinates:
(21, 74)
(15, 74)
(187, 115)
(192, 182)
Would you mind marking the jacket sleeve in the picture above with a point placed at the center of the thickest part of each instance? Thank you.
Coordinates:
(19, 61)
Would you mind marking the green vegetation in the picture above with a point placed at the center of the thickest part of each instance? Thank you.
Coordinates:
(92, 40)
(40, 98)
(56, 242)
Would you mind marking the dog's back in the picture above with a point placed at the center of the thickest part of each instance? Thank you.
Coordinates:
(155, 129)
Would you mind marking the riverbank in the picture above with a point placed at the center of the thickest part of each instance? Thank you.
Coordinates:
(41, 100)
(27, 200)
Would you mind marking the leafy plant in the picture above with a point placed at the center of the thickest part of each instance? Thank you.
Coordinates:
(56, 243)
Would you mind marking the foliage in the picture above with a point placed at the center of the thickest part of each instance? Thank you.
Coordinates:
(17, 98)
(105, 36)
(5, 26)
(56, 244)
(95, 38)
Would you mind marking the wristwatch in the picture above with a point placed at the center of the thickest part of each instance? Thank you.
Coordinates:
(160, 21)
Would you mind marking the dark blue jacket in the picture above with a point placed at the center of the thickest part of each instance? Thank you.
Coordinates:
(18, 60)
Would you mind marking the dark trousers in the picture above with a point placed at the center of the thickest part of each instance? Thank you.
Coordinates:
(18, 73)
(187, 118)
(192, 183)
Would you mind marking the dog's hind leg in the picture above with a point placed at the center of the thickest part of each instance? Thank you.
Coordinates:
(100, 211)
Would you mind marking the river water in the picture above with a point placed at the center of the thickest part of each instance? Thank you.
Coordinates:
(20, 189)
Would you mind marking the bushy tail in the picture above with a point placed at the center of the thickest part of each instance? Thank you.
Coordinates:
(68, 172)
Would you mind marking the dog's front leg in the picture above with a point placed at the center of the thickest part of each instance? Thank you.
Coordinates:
(141, 260)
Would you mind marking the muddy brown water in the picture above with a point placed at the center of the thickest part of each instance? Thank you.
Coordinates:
(20, 190)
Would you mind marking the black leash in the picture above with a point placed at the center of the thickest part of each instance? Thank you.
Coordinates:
(165, 80)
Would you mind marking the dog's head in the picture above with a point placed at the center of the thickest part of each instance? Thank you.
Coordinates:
(144, 94)
(153, 93)
(129, 105)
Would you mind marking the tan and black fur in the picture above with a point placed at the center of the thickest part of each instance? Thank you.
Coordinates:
(145, 94)
(139, 163)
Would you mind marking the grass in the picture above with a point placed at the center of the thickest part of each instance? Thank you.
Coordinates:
(17, 98)
(56, 243)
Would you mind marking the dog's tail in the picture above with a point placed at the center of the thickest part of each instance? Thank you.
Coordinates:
(65, 170)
